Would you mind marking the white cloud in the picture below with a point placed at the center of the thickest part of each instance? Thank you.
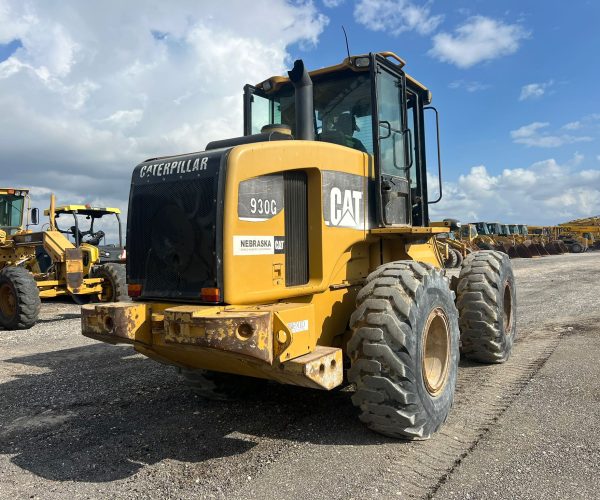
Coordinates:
(396, 16)
(96, 87)
(534, 90)
(478, 39)
(522, 195)
(576, 125)
(332, 3)
(469, 86)
(534, 135)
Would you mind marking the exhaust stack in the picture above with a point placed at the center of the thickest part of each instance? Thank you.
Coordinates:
(305, 129)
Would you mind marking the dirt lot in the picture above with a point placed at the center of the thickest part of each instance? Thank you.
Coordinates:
(81, 419)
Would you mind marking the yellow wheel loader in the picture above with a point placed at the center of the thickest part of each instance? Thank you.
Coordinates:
(302, 253)
(487, 237)
(524, 244)
(44, 264)
(546, 236)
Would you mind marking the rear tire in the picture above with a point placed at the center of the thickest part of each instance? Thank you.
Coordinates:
(114, 286)
(487, 303)
(452, 260)
(459, 257)
(576, 248)
(404, 350)
(19, 299)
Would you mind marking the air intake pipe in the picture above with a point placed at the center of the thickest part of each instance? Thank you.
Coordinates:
(303, 95)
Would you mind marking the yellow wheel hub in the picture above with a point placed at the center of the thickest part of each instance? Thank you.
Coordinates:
(508, 312)
(436, 351)
(8, 301)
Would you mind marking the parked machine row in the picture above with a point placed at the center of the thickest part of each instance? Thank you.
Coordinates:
(55, 261)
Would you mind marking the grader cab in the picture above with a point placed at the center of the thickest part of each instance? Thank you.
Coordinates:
(302, 252)
(85, 230)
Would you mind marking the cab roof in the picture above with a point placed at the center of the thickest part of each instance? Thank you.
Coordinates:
(83, 210)
(348, 63)
(21, 191)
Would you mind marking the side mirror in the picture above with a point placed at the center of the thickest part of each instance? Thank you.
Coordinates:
(35, 216)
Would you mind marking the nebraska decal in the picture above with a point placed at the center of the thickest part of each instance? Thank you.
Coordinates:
(258, 245)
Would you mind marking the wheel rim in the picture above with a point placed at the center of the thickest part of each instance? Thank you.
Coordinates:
(436, 351)
(508, 312)
(107, 291)
(8, 301)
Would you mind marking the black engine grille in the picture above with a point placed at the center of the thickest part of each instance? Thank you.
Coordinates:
(296, 228)
(173, 237)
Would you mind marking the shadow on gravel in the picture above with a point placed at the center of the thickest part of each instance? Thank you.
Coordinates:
(60, 317)
(101, 413)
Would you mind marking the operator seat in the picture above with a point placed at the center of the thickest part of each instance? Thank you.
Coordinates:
(342, 133)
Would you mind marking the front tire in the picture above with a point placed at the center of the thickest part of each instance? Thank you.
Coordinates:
(576, 248)
(459, 257)
(19, 299)
(487, 303)
(451, 260)
(404, 350)
(114, 286)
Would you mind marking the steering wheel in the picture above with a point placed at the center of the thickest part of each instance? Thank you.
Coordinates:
(77, 234)
(95, 238)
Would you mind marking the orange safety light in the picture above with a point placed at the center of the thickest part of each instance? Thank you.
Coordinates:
(210, 294)
(134, 290)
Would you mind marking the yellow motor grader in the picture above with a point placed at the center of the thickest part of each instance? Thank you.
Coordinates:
(302, 253)
(44, 264)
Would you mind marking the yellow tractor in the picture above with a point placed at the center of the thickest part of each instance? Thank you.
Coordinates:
(582, 229)
(44, 264)
(302, 253)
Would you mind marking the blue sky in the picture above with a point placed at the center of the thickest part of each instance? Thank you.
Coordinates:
(89, 90)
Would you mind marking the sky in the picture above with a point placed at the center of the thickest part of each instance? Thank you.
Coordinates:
(90, 89)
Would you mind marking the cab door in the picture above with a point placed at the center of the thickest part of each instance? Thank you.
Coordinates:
(392, 153)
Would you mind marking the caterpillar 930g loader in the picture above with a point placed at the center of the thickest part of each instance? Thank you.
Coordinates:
(302, 252)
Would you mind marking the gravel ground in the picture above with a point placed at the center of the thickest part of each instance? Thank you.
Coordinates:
(82, 419)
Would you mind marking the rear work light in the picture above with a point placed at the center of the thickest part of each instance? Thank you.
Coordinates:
(210, 294)
(134, 290)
